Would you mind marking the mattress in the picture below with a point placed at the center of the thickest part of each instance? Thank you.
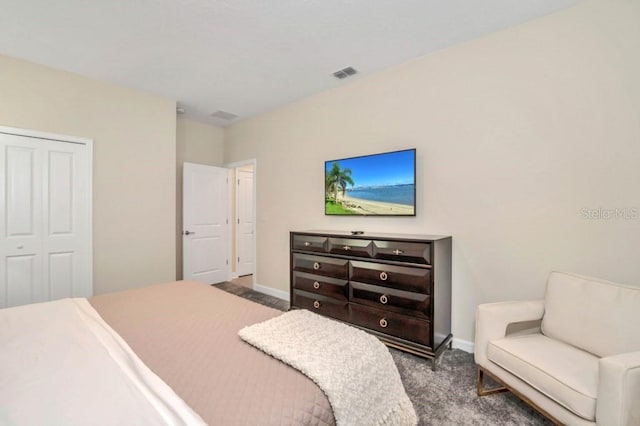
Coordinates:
(187, 334)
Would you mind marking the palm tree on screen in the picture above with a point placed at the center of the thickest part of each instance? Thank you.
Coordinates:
(337, 180)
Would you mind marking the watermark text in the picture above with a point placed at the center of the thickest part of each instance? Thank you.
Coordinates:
(600, 213)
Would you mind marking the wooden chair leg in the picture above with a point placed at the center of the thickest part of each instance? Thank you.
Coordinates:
(481, 389)
(484, 392)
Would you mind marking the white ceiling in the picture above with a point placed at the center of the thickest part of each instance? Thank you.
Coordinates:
(244, 56)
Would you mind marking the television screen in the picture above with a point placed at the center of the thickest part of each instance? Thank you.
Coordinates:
(371, 185)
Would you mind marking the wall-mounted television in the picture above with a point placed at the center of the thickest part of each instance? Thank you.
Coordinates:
(371, 185)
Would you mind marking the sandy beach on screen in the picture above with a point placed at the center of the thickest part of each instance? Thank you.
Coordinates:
(374, 207)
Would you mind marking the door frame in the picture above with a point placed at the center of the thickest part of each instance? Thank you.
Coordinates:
(88, 143)
(234, 199)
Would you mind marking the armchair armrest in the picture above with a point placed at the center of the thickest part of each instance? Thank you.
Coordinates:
(492, 320)
(619, 390)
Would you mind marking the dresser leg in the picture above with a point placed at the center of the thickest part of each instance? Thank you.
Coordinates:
(434, 363)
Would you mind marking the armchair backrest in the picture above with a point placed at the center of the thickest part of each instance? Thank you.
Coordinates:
(598, 316)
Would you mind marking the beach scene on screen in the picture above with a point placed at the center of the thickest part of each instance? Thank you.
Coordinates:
(380, 184)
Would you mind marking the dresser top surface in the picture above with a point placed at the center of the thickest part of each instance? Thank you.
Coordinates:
(372, 235)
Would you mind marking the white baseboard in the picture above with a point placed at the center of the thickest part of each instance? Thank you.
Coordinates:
(464, 345)
(280, 294)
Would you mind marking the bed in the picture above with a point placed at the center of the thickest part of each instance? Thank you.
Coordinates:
(185, 333)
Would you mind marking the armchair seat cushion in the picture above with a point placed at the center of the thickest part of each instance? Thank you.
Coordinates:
(566, 374)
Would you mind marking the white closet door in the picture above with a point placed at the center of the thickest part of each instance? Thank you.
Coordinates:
(45, 235)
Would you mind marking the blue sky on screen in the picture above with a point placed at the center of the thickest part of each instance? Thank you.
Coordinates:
(393, 168)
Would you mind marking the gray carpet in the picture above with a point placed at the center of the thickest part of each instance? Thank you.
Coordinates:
(444, 397)
(247, 293)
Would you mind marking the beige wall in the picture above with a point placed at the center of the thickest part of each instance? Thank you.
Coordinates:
(516, 133)
(195, 143)
(134, 164)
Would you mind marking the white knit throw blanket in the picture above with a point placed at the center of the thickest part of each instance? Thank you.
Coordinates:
(353, 368)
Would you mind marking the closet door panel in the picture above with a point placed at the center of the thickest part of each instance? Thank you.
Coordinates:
(60, 191)
(60, 275)
(23, 280)
(21, 223)
(22, 167)
(66, 217)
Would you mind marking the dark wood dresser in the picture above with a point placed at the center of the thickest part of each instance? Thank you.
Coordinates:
(395, 286)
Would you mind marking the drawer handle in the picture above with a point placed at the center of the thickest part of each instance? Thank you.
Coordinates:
(316, 265)
(346, 248)
(383, 276)
(307, 243)
(384, 299)
(316, 285)
(397, 252)
(383, 323)
(316, 304)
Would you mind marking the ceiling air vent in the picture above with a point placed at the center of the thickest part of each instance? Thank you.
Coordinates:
(224, 115)
(344, 73)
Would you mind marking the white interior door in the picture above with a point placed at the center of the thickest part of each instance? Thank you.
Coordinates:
(45, 220)
(205, 234)
(245, 226)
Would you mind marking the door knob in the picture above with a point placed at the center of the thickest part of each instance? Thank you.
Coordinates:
(188, 233)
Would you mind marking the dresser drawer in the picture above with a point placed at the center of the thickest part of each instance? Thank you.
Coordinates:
(401, 251)
(318, 265)
(398, 277)
(321, 304)
(400, 301)
(310, 243)
(351, 247)
(321, 285)
(402, 326)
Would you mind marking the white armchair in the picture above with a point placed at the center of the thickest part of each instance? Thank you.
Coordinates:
(574, 356)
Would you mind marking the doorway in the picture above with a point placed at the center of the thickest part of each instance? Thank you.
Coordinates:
(244, 222)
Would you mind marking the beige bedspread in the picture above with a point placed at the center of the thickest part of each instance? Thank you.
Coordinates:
(187, 333)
